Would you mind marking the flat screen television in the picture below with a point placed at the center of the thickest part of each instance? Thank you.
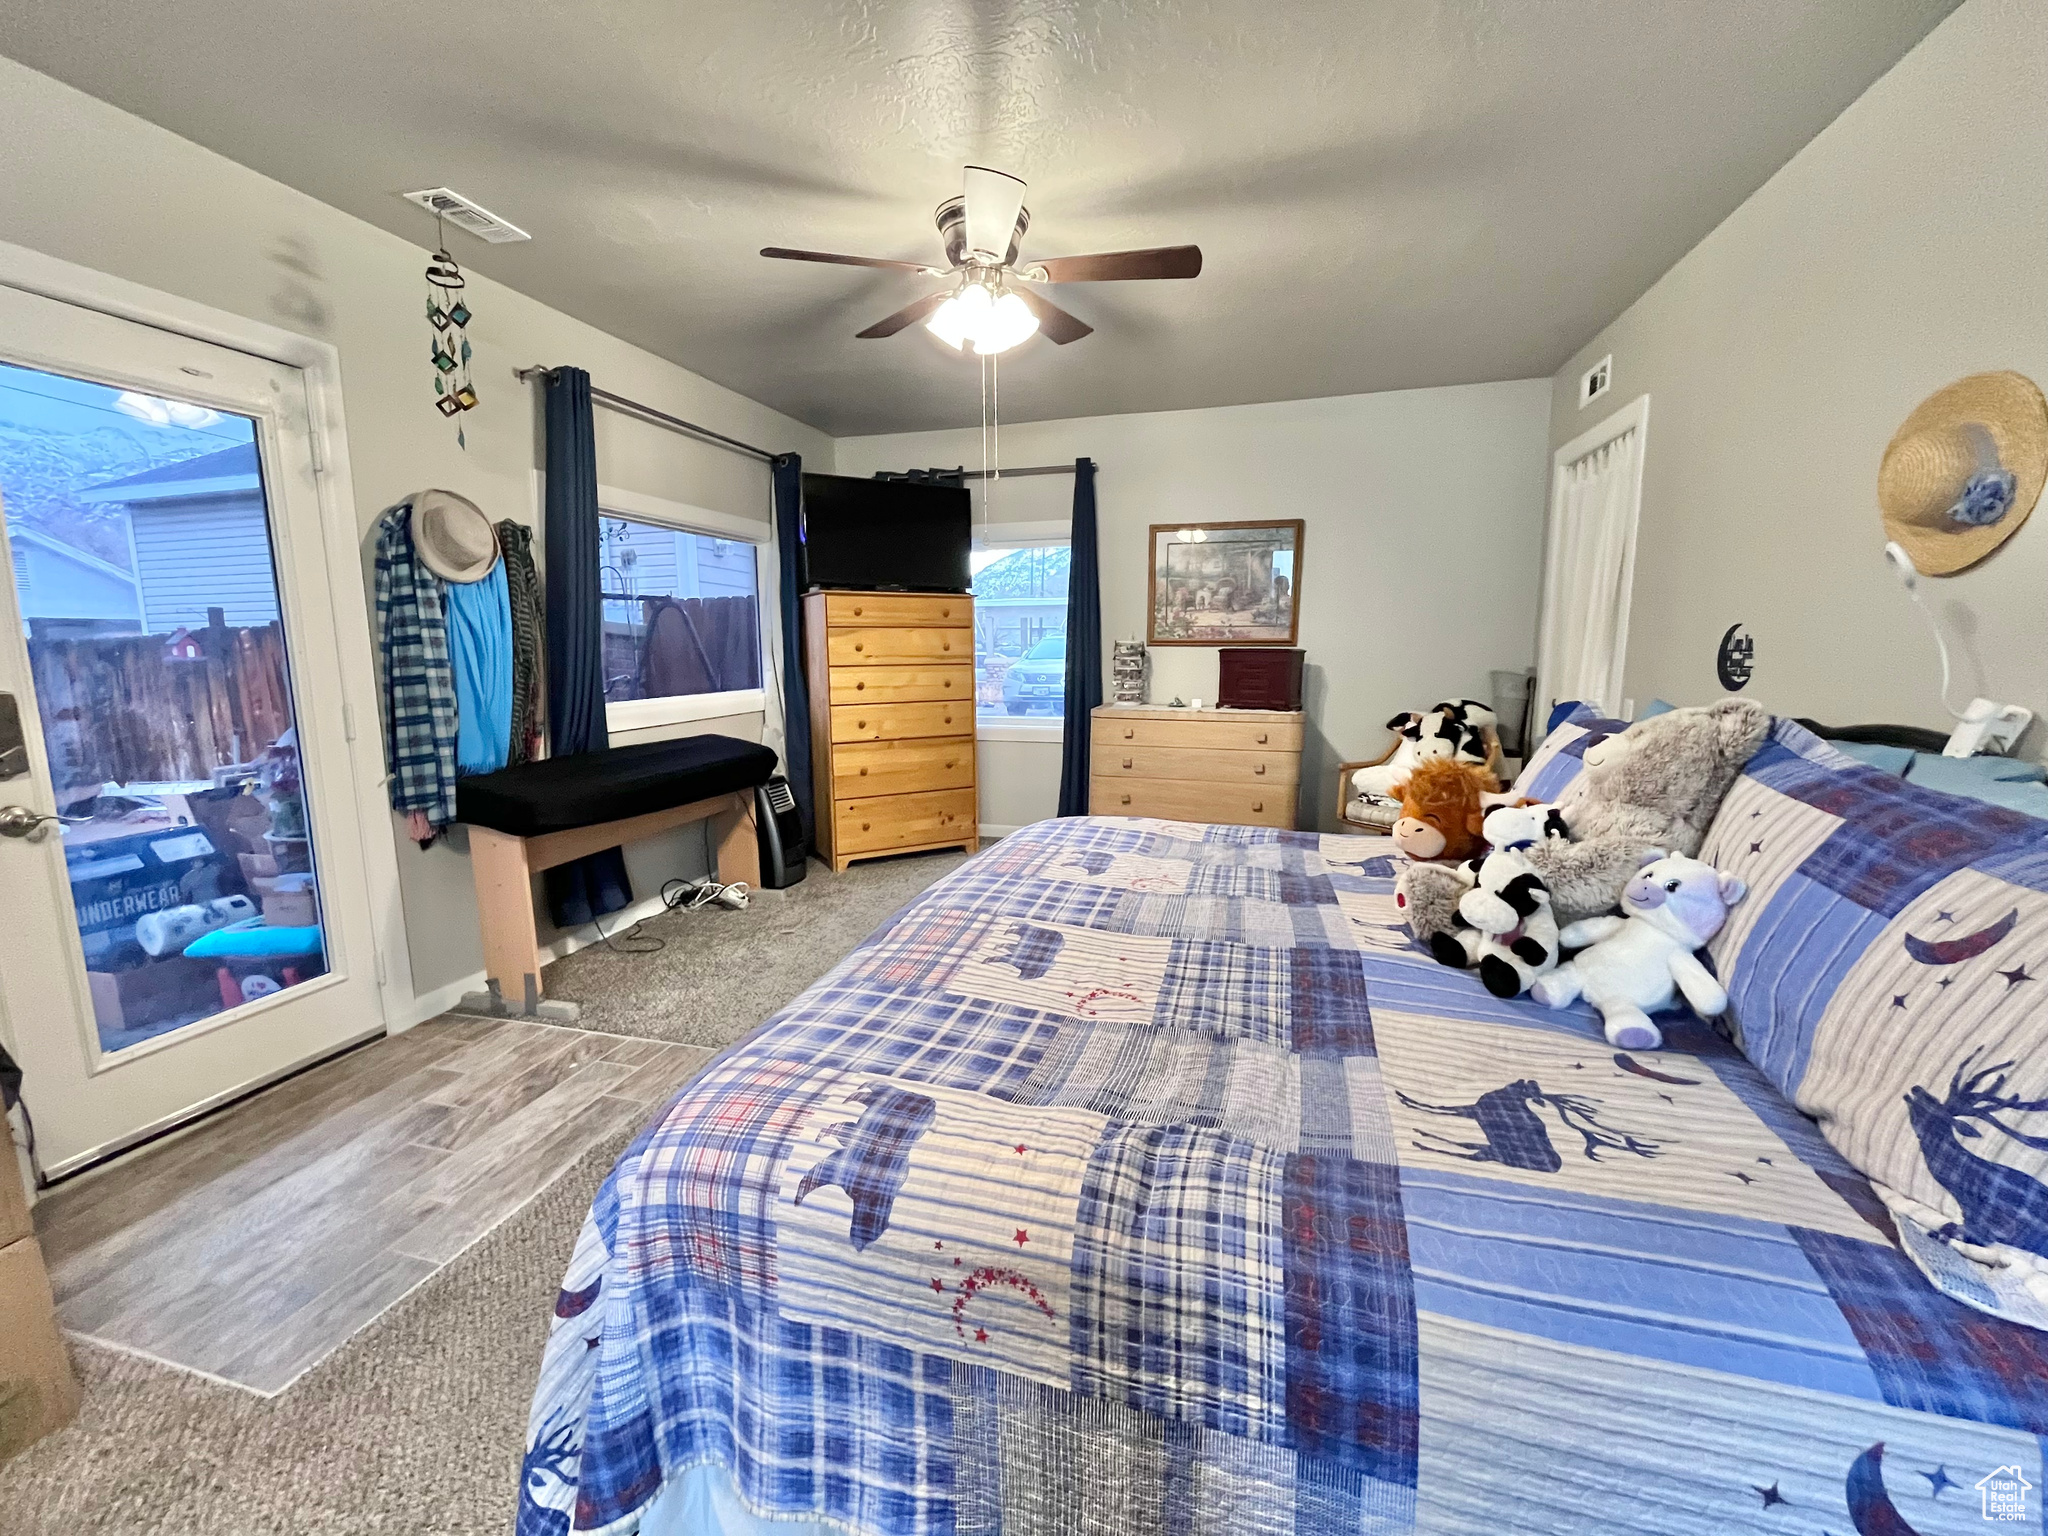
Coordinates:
(885, 535)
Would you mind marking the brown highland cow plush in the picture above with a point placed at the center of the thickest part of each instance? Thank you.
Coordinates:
(1441, 810)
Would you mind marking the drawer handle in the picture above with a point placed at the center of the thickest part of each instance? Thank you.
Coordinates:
(949, 762)
(1260, 769)
(1129, 733)
(1258, 805)
(949, 682)
(860, 687)
(857, 610)
(1262, 742)
(858, 646)
(1124, 800)
(863, 773)
(949, 720)
(1127, 762)
(945, 613)
(864, 826)
(860, 725)
(945, 645)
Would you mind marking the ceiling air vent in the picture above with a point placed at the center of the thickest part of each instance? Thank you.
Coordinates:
(1593, 383)
(463, 214)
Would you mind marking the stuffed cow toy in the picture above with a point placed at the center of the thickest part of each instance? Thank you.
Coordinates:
(1443, 810)
(1641, 961)
(1456, 729)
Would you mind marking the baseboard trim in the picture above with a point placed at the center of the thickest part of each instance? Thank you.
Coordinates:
(991, 829)
(431, 1005)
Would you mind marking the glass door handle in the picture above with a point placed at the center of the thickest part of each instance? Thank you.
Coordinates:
(20, 821)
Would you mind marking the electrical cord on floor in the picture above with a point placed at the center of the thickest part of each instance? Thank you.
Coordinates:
(678, 896)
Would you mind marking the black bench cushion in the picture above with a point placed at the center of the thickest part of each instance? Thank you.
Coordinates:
(563, 792)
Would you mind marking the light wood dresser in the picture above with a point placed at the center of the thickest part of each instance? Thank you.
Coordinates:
(1241, 766)
(892, 722)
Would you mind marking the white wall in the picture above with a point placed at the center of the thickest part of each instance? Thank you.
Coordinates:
(94, 185)
(1901, 249)
(1424, 513)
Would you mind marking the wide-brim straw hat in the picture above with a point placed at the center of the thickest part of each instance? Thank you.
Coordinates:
(1964, 471)
(453, 537)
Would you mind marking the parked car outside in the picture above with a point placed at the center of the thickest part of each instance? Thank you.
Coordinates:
(1037, 684)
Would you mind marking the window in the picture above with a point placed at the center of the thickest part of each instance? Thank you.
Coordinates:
(681, 618)
(1020, 633)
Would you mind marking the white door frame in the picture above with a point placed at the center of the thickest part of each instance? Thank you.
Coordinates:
(320, 364)
(1635, 416)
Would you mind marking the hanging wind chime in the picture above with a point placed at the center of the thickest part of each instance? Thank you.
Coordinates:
(448, 315)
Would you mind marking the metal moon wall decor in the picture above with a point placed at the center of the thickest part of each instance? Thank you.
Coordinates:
(449, 316)
(1735, 661)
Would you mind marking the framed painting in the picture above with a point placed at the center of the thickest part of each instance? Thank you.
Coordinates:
(1226, 583)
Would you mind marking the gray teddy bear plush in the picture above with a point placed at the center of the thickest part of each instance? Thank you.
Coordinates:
(1655, 785)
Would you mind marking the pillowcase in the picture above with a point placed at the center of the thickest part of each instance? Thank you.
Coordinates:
(1562, 757)
(1889, 972)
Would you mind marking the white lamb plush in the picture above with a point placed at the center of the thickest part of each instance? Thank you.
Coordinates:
(1638, 962)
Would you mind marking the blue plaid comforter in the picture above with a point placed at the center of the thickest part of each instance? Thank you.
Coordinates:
(1142, 1176)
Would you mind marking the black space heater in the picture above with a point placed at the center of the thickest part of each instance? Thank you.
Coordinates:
(781, 827)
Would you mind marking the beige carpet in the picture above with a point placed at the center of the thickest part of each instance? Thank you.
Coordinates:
(417, 1425)
(719, 973)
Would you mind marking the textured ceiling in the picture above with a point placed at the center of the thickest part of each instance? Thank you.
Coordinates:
(1389, 193)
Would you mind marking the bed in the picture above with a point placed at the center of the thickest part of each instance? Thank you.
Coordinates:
(1143, 1176)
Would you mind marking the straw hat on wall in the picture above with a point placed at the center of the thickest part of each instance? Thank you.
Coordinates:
(454, 539)
(1965, 470)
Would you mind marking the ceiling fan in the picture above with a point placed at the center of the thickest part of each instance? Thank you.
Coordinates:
(987, 303)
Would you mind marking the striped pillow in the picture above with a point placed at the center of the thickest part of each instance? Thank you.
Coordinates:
(1889, 972)
(1562, 757)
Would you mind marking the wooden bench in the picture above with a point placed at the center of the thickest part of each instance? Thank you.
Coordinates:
(534, 817)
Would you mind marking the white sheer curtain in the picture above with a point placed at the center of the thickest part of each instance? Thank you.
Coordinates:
(1588, 570)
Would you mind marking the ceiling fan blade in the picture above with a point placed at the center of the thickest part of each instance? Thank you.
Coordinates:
(993, 202)
(905, 317)
(1053, 322)
(833, 258)
(1118, 266)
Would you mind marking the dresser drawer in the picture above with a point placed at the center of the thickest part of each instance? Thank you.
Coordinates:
(1202, 731)
(872, 608)
(902, 821)
(888, 685)
(893, 722)
(1256, 769)
(901, 767)
(870, 647)
(1190, 800)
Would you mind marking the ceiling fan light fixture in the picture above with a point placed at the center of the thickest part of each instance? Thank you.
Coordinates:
(992, 322)
(1008, 323)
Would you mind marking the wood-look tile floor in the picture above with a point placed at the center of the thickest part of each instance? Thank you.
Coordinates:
(255, 1244)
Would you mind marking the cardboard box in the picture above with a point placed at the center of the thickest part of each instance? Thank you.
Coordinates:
(259, 866)
(14, 1216)
(147, 994)
(38, 1393)
(289, 901)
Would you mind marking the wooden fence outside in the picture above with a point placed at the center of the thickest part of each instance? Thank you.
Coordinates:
(682, 646)
(122, 708)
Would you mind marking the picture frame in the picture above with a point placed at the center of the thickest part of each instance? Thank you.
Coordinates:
(1226, 583)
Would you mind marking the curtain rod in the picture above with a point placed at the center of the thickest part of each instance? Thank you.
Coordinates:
(1029, 469)
(648, 413)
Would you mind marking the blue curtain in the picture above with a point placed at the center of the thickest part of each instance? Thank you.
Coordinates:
(588, 888)
(1084, 644)
(796, 696)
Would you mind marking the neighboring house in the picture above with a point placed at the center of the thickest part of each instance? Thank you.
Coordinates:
(643, 560)
(1020, 599)
(201, 539)
(65, 591)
